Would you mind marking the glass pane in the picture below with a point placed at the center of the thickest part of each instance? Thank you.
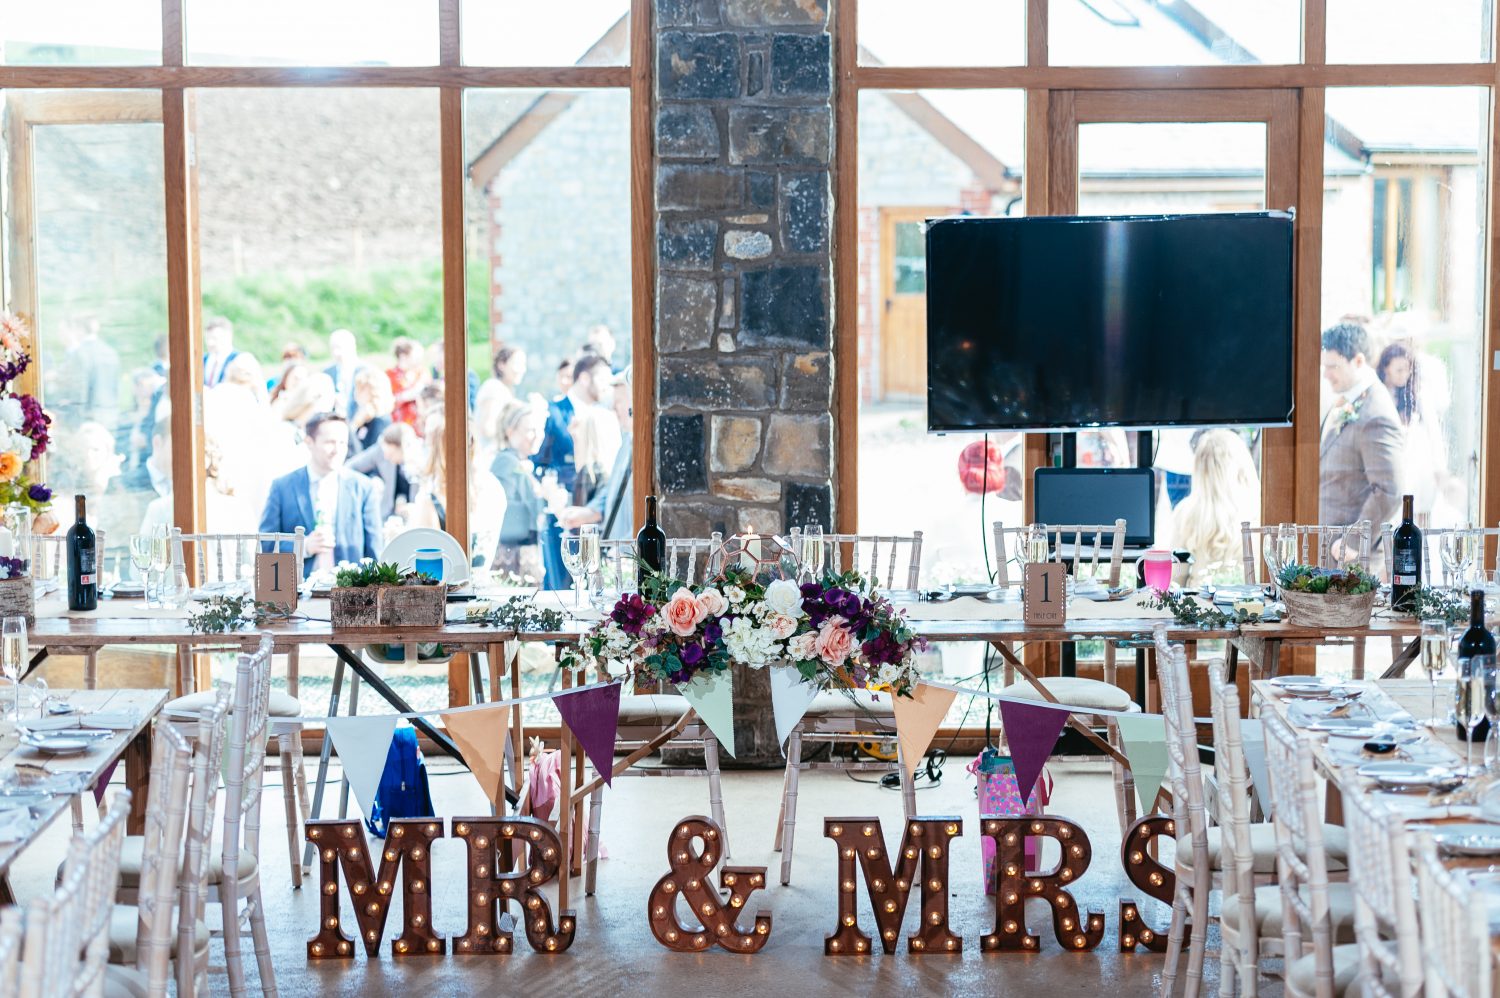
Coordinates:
(312, 32)
(80, 32)
(322, 292)
(1182, 168)
(942, 33)
(1404, 224)
(97, 251)
(1400, 31)
(1205, 32)
(513, 33)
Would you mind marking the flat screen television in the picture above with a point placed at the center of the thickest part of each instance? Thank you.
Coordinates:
(1137, 321)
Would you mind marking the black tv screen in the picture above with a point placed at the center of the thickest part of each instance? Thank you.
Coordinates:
(1062, 323)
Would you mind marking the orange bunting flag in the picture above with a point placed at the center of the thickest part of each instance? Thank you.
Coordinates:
(917, 719)
(480, 736)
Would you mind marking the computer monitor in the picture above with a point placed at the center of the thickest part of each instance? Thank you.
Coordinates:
(1098, 495)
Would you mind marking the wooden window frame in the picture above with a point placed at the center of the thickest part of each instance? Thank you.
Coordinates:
(1292, 495)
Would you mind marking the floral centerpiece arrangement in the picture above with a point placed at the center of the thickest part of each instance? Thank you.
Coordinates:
(1327, 597)
(838, 629)
(23, 439)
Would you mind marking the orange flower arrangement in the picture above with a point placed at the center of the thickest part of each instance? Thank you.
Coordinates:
(10, 466)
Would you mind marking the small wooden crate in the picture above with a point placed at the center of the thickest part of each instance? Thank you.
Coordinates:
(18, 599)
(412, 606)
(355, 606)
(1328, 609)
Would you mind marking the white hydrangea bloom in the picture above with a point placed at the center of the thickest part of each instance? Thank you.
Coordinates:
(10, 412)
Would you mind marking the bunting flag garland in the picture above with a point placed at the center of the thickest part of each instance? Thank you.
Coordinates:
(790, 698)
(712, 696)
(363, 744)
(1031, 731)
(917, 719)
(593, 715)
(480, 736)
(1145, 738)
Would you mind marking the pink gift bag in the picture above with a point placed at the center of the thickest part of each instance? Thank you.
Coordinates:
(1000, 797)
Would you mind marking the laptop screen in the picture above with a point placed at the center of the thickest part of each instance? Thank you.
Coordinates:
(1098, 496)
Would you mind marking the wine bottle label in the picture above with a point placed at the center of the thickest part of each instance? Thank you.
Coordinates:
(86, 579)
(1404, 580)
(1405, 561)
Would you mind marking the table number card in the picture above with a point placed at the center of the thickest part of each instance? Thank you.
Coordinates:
(1044, 600)
(276, 578)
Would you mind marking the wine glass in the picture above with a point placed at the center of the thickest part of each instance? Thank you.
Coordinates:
(1467, 554)
(140, 554)
(1469, 699)
(812, 554)
(1435, 642)
(589, 551)
(13, 657)
(1491, 714)
(572, 559)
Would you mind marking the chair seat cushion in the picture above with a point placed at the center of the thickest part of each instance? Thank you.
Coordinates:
(1076, 692)
(652, 709)
(130, 863)
(1263, 847)
(281, 705)
(124, 982)
(123, 923)
(1302, 975)
(850, 703)
(1268, 912)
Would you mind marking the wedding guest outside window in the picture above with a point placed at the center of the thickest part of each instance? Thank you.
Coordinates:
(612, 504)
(1425, 455)
(1225, 494)
(521, 435)
(338, 508)
(407, 379)
(345, 370)
(218, 344)
(392, 462)
(1360, 474)
(589, 387)
(509, 370)
(373, 403)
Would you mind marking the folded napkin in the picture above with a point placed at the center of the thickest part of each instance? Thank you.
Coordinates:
(112, 721)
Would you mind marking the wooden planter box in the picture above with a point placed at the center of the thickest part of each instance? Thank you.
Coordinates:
(1328, 609)
(388, 606)
(18, 599)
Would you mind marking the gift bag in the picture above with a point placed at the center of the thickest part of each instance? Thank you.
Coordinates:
(1000, 797)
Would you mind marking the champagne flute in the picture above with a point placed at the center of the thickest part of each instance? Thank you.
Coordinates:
(1469, 700)
(1435, 644)
(13, 657)
(589, 553)
(1467, 554)
(1491, 714)
(812, 552)
(572, 559)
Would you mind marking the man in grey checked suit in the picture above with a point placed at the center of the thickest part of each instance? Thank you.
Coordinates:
(1359, 471)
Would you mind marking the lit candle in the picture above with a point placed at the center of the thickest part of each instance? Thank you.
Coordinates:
(7, 543)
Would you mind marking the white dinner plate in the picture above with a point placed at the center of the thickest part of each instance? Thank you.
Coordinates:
(1401, 775)
(55, 745)
(1300, 682)
(1472, 839)
(404, 546)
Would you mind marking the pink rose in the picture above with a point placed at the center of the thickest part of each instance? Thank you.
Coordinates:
(833, 643)
(713, 603)
(801, 648)
(780, 625)
(682, 613)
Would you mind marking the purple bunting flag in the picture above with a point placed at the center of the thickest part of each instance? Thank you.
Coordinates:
(1031, 731)
(593, 715)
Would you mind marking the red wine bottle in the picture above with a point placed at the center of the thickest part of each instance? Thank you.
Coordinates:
(650, 543)
(83, 562)
(1406, 559)
(1476, 641)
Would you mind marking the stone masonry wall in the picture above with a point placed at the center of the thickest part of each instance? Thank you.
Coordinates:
(744, 144)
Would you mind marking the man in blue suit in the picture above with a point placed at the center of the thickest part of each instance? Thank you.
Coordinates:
(339, 509)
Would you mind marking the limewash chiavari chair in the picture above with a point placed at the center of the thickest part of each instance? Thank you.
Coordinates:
(1457, 951)
(141, 935)
(689, 559)
(11, 942)
(875, 556)
(1314, 965)
(1385, 913)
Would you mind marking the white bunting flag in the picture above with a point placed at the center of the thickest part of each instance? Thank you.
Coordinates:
(363, 744)
(712, 696)
(790, 698)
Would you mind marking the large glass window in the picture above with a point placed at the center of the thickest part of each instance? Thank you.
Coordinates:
(977, 33)
(1404, 228)
(1401, 31)
(1205, 32)
(311, 32)
(80, 32)
(518, 33)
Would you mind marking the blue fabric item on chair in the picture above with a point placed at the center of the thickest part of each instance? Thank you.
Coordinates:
(403, 791)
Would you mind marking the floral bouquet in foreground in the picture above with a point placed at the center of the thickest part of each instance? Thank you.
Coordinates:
(837, 629)
(23, 424)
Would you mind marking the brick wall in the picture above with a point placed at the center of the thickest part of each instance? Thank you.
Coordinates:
(744, 143)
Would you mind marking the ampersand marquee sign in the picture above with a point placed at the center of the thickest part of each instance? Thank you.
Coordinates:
(688, 879)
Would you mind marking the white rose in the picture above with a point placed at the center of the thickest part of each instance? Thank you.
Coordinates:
(10, 412)
(785, 597)
(781, 626)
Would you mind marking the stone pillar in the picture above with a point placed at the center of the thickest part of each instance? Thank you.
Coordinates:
(744, 145)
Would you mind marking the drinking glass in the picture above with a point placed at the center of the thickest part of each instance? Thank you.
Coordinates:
(140, 554)
(13, 658)
(1469, 699)
(1467, 554)
(1435, 641)
(1035, 549)
(572, 559)
(589, 551)
(1491, 714)
(175, 590)
(812, 554)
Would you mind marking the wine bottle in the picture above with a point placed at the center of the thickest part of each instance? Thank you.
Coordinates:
(1476, 641)
(650, 543)
(83, 572)
(1406, 559)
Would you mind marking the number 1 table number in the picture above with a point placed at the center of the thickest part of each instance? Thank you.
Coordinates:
(1045, 598)
(276, 578)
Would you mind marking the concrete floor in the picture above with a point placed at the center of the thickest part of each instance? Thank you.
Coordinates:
(615, 953)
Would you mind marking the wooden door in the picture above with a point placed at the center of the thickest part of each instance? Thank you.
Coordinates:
(903, 298)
